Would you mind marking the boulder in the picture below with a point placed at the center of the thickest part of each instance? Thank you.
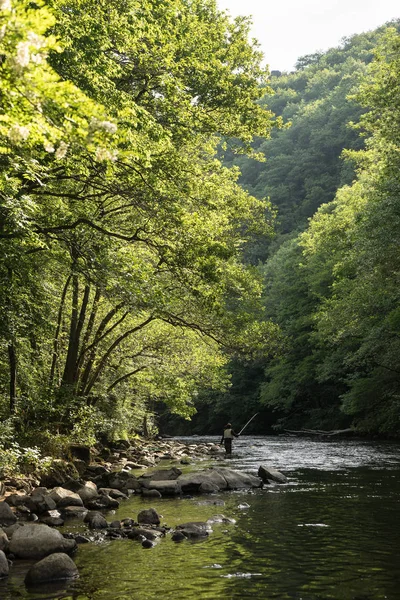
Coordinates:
(116, 494)
(38, 541)
(4, 567)
(138, 533)
(63, 497)
(162, 475)
(268, 473)
(7, 517)
(17, 499)
(194, 530)
(149, 516)
(3, 540)
(52, 521)
(96, 520)
(55, 567)
(150, 493)
(88, 492)
(40, 503)
(123, 481)
(166, 488)
(78, 512)
(237, 480)
(102, 502)
(191, 482)
(60, 471)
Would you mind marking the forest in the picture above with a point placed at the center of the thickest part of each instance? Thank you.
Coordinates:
(186, 237)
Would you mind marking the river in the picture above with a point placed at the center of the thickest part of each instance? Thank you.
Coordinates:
(332, 532)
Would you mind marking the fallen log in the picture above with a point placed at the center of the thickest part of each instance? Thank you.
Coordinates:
(320, 432)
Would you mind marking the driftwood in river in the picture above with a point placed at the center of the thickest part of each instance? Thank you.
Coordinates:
(320, 432)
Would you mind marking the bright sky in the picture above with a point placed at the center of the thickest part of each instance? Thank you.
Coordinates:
(287, 29)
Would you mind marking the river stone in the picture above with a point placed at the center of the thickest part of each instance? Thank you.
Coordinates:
(17, 499)
(40, 503)
(138, 533)
(96, 520)
(191, 482)
(37, 541)
(161, 475)
(79, 512)
(116, 494)
(150, 493)
(4, 566)
(194, 530)
(4, 541)
(7, 517)
(149, 516)
(237, 480)
(123, 481)
(63, 497)
(52, 521)
(269, 473)
(55, 567)
(88, 492)
(166, 488)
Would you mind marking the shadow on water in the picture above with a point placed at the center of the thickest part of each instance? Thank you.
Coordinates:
(332, 532)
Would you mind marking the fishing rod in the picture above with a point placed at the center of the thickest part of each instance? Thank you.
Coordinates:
(249, 421)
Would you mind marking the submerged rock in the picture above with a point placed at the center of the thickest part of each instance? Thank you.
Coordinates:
(269, 473)
(55, 567)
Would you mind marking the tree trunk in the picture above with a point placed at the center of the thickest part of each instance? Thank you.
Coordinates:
(12, 358)
(57, 333)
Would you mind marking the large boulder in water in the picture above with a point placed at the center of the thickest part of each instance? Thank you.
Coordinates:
(4, 566)
(55, 567)
(165, 488)
(215, 480)
(237, 480)
(192, 482)
(38, 541)
(149, 516)
(270, 474)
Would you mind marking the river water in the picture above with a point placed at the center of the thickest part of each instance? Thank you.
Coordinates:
(332, 532)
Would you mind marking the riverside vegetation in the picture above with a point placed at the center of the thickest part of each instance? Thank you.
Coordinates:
(143, 272)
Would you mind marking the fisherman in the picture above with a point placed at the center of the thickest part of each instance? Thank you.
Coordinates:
(227, 436)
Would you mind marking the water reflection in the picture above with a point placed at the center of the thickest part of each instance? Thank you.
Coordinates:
(332, 532)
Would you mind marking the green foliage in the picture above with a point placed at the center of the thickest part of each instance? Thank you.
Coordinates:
(121, 232)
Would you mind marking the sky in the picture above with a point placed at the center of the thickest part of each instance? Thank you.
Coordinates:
(288, 29)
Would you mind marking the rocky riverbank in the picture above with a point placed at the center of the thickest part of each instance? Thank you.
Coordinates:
(96, 481)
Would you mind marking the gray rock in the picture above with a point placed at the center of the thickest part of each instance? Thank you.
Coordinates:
(55, 567)
(151, 493)
(194, 530)
(4, 567)
(138, 533)
(161, 475)
(16, 499)
(78, 512)
(4, 541)
(63, 497)
(37, 541)
(208, 487)
(166, 488)
(41, 503)
(237, 480)
(149, 516)
(96, 520)
(88, 492)
(102, 502)
(11, 529)
(191, 482)
(52, 521)
(267, 473)
(123, 480)
(116, 494)
(7, 517)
